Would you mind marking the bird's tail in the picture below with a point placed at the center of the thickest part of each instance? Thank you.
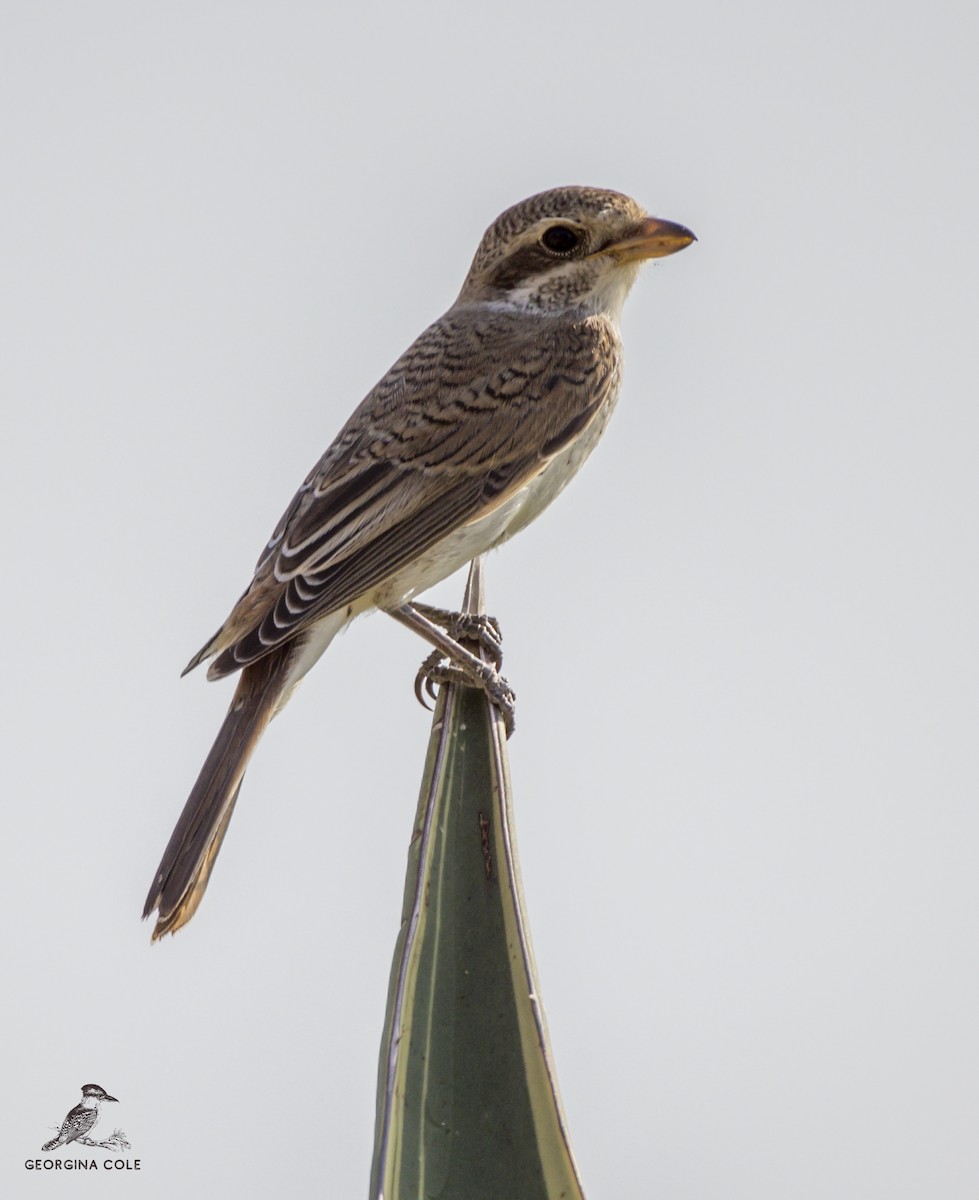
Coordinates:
(53, 1144)
(188, 860)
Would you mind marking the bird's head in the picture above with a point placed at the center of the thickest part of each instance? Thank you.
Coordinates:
(93, 1092)
(569, 249)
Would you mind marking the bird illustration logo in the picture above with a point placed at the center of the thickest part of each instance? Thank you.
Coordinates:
(79, 1123)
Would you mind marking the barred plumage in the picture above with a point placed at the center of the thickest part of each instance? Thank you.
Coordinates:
(82, 1119)
(470, 434)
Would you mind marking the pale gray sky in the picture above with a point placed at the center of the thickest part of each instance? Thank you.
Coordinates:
(744, 642)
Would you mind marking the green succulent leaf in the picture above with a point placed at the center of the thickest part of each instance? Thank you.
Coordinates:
(467, 1101)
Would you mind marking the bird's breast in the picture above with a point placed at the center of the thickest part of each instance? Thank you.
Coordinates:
(493, 527)
(558, 471)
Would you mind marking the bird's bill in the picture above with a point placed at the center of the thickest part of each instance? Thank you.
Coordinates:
(654, 239)
(110, 1098)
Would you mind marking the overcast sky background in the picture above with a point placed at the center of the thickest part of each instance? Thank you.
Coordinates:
(744, 642)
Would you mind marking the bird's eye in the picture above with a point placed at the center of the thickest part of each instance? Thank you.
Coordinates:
(560, 239)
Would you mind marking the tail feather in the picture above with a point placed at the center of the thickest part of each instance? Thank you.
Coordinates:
(188, 860)
(205, 652)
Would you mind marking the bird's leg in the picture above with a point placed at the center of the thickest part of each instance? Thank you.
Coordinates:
(478, 628)
(462, 667)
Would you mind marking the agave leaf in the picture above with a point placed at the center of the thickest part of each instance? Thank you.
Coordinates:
(467, 1103)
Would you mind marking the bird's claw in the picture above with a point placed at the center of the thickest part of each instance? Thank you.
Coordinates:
(437, 670)
(425, 683)
(482, 631)
(477, 629)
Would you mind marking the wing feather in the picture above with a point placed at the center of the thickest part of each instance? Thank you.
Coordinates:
(451, 431)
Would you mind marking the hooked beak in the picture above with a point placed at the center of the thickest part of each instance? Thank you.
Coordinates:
(653, 239)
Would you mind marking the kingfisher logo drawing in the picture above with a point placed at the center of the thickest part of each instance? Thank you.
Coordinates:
(79, 1124)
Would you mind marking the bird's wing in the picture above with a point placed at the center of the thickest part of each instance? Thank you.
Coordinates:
(78, 1122)
(468, 415)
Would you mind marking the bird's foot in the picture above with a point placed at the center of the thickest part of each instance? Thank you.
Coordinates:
(476, 629)
(438, 670)
(453, 662)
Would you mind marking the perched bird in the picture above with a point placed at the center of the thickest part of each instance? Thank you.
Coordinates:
(83, 1117)
(468, 437)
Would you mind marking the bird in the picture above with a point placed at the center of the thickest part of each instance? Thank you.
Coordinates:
(83, 1117)
(472, 432)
